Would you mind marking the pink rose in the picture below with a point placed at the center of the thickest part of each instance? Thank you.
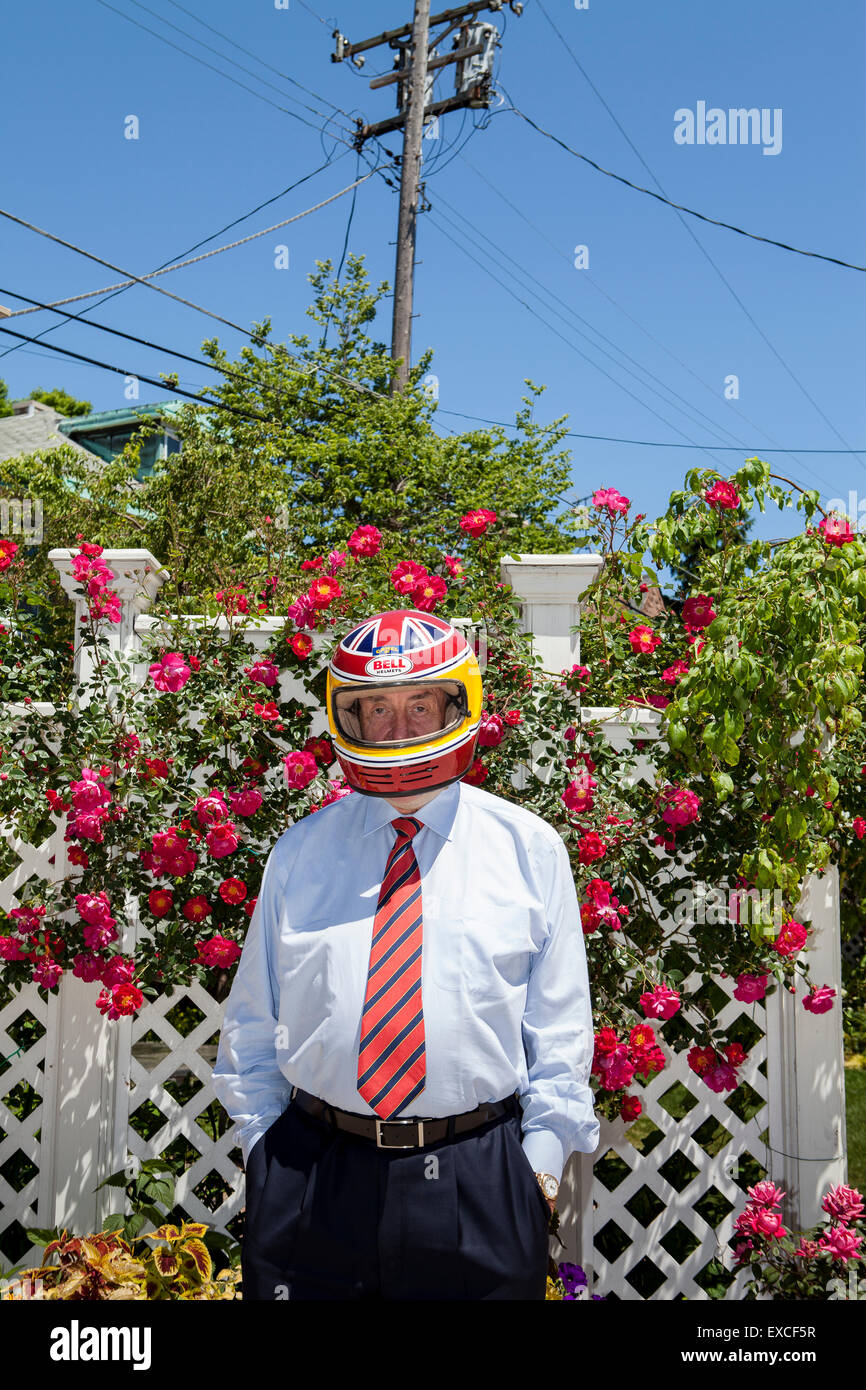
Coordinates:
(299, 769)
(119, 970)
(841, 1243)
(93, 907)
(245, 802)
(47, 972)
(662, 1002)
(578, 794)
(611, 500)
(222, 839)
(766, 1194)
(263, 672)
(698, 612)
(365, 541)
(722, 494)
(490, 731)
(792, 936)
(591, 846)
(171, 673)
(644, 639)
(617, 1069)
(836, 530)
(476, 523)
(671, 674)
(750, 988)
(87, 967)
(233, 890)
(99, 935)
(722, 1077)
(681, 806)
(819, 1000)
(843, 1203)
(406, 575)
(428, 591)
(211, 808)
(218, 951)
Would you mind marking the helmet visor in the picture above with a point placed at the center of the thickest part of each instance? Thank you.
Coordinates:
(399, 714)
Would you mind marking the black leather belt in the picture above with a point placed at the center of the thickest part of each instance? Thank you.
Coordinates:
(403, 1134)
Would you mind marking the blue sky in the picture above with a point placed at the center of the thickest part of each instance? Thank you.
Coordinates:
(638, 345)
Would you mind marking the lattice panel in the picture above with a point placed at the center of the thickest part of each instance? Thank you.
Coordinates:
(23, 1032)
(664, 1200)
(663, 1211)
(171, 1106)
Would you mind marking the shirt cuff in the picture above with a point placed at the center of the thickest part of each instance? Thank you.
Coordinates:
(543, 1148)
(251, 1136)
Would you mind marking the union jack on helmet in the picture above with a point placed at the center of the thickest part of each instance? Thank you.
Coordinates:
(398, 651)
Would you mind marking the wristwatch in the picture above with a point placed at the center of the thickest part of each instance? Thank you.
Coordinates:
(548, 1185)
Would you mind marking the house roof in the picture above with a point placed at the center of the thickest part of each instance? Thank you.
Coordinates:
(117, 419)
(33, 426)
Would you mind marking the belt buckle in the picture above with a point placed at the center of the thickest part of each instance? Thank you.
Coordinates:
(381, 1145)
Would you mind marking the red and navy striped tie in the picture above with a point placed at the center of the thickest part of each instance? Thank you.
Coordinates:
(391, 1062)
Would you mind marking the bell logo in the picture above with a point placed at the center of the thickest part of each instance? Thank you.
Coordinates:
(389, 666)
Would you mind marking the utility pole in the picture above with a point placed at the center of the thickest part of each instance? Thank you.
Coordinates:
(416, 67)
(410, 169)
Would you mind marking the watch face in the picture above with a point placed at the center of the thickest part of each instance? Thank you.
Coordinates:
(549, 1186)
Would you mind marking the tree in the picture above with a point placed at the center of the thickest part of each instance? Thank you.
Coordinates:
(5, 407)
(309, 436)
(61, 400)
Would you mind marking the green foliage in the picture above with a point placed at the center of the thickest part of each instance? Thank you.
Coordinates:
(61, 400)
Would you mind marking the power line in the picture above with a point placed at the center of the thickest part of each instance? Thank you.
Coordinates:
(487, 241)
(680, 207)
(687, 227)
(255, 56)
(574, 348)
(130, 338)
(133, 279)
(113, 293)
(146, 279)
(139, 376)
(239, 376)
(226, 75)
(652, 443)
(585, 276)
(304, 6)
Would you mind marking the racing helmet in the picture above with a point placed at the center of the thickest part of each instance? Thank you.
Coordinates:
(404, 703)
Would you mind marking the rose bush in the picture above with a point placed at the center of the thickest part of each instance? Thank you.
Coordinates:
(173, 788)
(820, 1263)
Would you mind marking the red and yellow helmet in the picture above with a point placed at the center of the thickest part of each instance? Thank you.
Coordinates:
(404, 703)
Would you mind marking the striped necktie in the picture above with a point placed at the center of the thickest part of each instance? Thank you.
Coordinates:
(391, 1060)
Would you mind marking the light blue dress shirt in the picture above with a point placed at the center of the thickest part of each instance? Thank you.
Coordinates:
(505, 989)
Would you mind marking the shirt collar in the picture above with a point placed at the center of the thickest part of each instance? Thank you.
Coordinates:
(438, 814)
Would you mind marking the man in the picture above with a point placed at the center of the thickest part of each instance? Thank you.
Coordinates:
(407, 1042)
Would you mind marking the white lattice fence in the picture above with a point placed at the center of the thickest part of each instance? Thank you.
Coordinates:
(664, 1194)
(648, 1214)
(27, 1027)
(170, 1104)
(24, 1024)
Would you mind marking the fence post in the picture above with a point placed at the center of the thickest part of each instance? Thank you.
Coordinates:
(806, 1068)
(84, 1130)
(549, 588)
